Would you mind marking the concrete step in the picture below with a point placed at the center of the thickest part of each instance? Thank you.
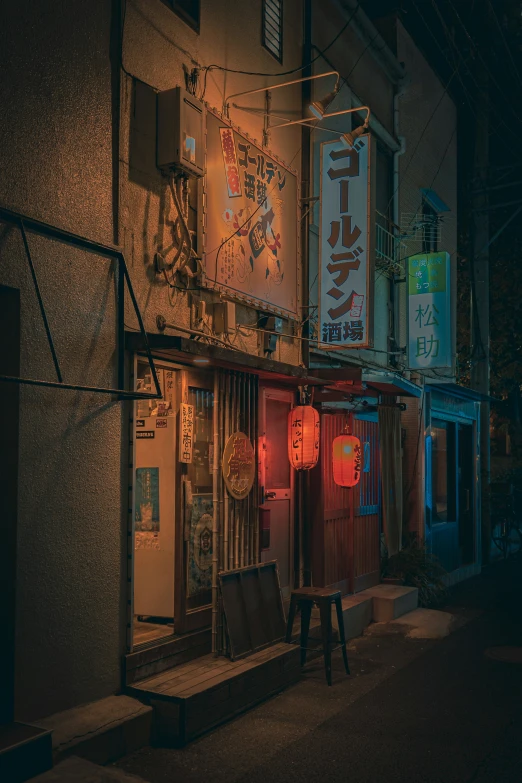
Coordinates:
(391, 601)
(25, 751)
(357, 614)
(101, 732)
(76, 770)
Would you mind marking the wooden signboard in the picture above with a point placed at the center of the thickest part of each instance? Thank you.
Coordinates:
(253, 608)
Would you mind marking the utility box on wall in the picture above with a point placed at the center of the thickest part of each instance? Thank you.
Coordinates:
(181, 132)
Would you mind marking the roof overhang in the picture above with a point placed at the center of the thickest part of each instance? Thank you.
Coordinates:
(190, 352)
(387, 382)
(456, 390)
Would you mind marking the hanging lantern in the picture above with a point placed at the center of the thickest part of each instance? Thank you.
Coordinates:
(303, 437)
(346, 460)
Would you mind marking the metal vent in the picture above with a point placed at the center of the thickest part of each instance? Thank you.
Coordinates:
(273, 27)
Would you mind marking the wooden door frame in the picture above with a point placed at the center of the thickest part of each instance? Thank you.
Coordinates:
(283, 395)
(183, 622)
(200, 617)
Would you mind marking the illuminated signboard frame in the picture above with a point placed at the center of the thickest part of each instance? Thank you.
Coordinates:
(346, 253)
(256, 261)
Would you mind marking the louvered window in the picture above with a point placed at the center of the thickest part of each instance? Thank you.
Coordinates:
(273, 27)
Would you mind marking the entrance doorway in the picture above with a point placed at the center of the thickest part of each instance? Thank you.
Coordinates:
(277, 483)
(173, 503)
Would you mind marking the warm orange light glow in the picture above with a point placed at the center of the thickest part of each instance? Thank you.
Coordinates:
(303, 437)
(346, 460)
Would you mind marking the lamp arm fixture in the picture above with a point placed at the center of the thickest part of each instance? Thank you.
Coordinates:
(227, 100)
(306, 120)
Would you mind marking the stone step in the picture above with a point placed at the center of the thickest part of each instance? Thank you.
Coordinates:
(391, 601)
(77, 770)
(25, 751)
(101, 732)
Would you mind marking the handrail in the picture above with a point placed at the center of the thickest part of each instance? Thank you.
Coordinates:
(28, 224)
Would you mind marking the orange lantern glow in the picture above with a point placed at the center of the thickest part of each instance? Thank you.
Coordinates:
(303, 437)
(346, 460)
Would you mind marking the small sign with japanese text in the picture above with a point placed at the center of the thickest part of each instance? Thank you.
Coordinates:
(429, 311)
(346, 246)
(186, 432)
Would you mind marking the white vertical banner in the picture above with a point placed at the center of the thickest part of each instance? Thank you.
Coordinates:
(430, 333)
(346, 242)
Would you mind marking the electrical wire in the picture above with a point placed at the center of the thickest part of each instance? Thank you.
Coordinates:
(480, 88)
(477, 50)
(508, 48)
(293, 70)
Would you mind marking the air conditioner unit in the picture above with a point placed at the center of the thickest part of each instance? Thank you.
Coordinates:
(181, 132)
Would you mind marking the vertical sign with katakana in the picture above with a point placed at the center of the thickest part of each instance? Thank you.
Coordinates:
(429, 311)
(346, 244)
(250, 231)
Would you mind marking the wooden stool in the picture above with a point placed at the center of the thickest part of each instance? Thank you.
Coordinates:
(305, 598)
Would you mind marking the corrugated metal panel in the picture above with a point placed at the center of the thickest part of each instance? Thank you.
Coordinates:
(367, 519)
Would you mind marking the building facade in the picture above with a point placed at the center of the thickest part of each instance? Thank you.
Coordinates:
(126, 510)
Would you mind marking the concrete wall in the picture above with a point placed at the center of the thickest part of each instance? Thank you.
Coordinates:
(158, 48)
(67, 156)
(56, 165)
(366, 80)
(427, 121)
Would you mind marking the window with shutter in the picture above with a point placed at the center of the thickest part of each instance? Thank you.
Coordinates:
(273, 27)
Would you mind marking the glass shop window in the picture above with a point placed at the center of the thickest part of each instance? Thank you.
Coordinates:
(443, 484)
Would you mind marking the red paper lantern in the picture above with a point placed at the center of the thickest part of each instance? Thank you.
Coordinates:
(303, 437)
(346, 460)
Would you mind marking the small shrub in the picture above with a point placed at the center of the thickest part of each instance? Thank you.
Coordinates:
(417, 568)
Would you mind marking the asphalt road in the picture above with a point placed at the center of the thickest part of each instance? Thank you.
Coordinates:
(435, 711)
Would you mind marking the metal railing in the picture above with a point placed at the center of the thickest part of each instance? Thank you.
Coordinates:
(29, 225)
(387, 240)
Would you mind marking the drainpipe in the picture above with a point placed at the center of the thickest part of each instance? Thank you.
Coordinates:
(395, 292)
(306, 98)
(303, 522)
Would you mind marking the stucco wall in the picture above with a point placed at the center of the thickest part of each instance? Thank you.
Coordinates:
(56, 165)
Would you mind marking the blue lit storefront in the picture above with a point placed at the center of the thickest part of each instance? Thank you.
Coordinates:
(452, 478)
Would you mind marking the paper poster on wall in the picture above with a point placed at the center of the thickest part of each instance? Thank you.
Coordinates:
(250, 236)
(346, 240)
(147, 514)
(199, 571)
(186, 437)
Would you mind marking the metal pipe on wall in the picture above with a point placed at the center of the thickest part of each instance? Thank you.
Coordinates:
(225, 493)
(215, 518)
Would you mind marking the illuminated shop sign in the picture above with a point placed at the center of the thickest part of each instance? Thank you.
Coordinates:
(250, 230)
(429, 311)
(346, 245)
